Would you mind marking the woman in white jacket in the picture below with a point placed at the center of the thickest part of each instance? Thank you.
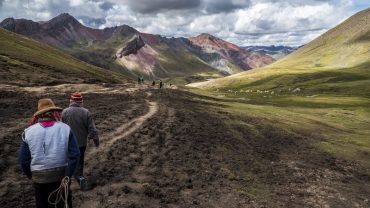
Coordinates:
(49, 152)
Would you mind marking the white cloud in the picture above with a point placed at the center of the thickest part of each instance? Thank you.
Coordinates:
(74, 3)
(244, 22)
(281, 17)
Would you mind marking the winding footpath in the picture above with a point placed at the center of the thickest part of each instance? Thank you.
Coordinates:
(124, 130)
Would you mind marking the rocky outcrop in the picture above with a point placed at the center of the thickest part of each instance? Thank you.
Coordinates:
(21, 26)
(132, 46)
(215, 50)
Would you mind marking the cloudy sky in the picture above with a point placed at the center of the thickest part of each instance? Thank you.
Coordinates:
(244, 22)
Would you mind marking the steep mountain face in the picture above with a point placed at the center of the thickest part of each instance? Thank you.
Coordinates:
(21, 26)
(167, 57)
(62, 31)
(137, 55)
(125, 50)
(276, 52)
(132, 47)
(337, 62)
(24, 61)
(228, 57)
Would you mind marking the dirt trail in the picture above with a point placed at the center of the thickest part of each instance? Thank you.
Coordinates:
(145, 151)
(91, 198)
(124, 130)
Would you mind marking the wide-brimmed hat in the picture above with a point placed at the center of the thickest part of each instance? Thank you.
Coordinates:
(76, 97)
(46, 105)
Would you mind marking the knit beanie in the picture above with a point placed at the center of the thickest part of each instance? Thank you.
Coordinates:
(76, 97)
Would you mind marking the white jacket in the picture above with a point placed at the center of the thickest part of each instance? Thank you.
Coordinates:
(48, 146)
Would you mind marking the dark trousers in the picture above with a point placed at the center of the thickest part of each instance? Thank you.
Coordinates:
(42, 192)
(80, 165)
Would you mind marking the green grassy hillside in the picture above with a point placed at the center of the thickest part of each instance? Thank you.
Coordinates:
(321, 91)
(24, 61)
(337, 62)
(345, 46)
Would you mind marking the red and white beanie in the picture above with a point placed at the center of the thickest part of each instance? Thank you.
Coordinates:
(76, 97)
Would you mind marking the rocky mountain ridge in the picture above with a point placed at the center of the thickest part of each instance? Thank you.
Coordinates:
(139, 53)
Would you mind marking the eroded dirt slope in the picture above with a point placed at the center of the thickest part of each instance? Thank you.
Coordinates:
(171, 148)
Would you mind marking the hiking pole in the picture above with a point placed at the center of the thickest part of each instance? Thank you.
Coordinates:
(61, 193)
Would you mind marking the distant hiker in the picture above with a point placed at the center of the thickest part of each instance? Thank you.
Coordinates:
(82, 124)
(138, 80)
(153, 83)
(160, 84)
(142, 80)
(49, 152)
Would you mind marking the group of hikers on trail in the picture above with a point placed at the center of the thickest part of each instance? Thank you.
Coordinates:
(53, 150)
(140, 80)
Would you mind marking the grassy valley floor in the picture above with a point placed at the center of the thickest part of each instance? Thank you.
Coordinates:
(322, 139)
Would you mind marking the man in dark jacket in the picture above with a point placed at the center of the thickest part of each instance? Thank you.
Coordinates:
(82, 125)
(48, 153)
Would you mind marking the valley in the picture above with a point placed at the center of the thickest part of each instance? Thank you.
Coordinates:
(255, 126)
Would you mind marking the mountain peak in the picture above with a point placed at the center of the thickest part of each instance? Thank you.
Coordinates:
(206, 39)
(63, 19)
(7, 23)
(64, 16)
(206, 36)
(21, 26)
(8, 19)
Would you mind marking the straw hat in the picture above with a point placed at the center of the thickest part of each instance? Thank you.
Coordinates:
(46, 105)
